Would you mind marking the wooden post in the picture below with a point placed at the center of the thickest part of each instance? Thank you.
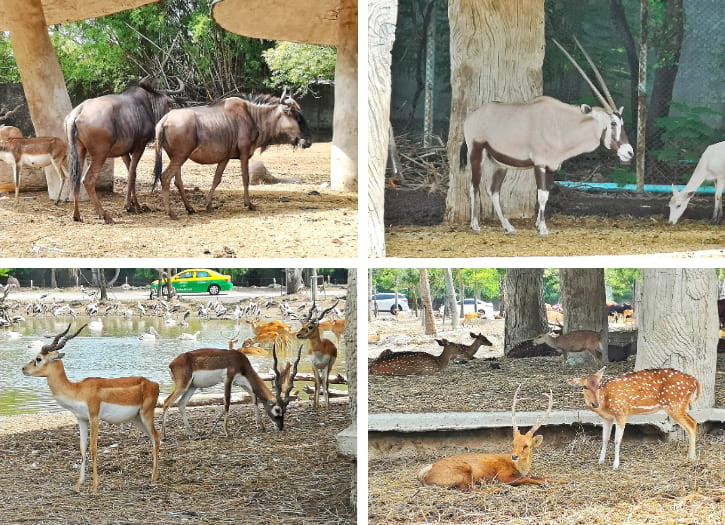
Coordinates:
(343, 162)
(642, 97)
(430, 64)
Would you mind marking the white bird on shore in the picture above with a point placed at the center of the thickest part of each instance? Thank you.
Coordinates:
(13, 335)
(96, 325)
(151, 335)
(189, 337)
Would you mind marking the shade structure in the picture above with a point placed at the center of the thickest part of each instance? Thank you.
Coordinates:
(64, 11)
(329, 22)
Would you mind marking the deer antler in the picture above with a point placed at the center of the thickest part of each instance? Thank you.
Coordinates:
(584, 75)
(548, 413)
(60, 340)
(513, 409)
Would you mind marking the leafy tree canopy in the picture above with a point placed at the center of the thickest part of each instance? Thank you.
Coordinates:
(300, 66)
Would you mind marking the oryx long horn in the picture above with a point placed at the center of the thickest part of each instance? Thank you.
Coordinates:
(583, 74)
(597, 75)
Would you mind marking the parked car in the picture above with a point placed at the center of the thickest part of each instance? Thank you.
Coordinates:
(197, 280)
(386, 302)
(471, 305)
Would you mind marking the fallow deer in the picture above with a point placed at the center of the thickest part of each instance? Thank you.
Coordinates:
(463, 470)
(93, 399)
(577, 341)
(207, 367)
(323, 352)
(641, 392)
(38, 152)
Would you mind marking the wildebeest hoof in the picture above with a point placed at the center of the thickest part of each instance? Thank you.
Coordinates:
(250, 206)
(107, 218)
(190, 211)
(77, 219)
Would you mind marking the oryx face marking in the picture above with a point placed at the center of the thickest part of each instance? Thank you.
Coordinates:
(614, 136)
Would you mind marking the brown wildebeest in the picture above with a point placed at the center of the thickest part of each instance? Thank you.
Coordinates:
(113, 126)
(231, 128)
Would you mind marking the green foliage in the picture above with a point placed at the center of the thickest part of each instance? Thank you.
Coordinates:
(621, 282)
(622, 175)
(4, 272)
(8, 68)
(686, 133)
(552, 286)
(300, 66)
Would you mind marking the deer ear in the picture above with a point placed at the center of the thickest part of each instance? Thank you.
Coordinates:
(600, 372)
(537, 441)
(585, 108)
(575, 381)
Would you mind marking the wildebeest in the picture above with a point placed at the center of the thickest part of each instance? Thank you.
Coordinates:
(540, 134)
(232, 128)
(113, 126)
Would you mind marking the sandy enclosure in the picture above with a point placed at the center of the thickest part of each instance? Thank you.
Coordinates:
(486, 383)
(655, 484)
(251, 476)
(288, 221)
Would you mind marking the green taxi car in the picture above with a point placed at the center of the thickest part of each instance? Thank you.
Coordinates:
(197, 280)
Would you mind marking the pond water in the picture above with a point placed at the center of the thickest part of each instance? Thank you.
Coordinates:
(116, 351)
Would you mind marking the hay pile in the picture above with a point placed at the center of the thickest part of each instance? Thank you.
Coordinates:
(655, 484)
(286, 477)
(479, 386)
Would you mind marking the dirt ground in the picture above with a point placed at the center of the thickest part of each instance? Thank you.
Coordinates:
(295, 476)
(288, 221)
(655, 484)
(580, 223)
(411, 394)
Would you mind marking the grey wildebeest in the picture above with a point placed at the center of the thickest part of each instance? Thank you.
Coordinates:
(113, 126)
(37, 152)
(710, 167)
(232, 128)
(539, 134)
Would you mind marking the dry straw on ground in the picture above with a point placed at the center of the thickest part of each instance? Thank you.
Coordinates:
(251, 476)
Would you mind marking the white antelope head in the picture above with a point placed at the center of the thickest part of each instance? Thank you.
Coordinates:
(609, 116)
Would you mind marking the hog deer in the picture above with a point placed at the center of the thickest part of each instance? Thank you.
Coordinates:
(640, 392)
(463, 470)
(93, 399)
(577, 341)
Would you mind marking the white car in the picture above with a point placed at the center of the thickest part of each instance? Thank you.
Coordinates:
(471, 305)
(386, 302)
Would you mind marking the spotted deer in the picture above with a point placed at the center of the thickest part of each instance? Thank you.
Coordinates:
(463, 470)
(640, 392)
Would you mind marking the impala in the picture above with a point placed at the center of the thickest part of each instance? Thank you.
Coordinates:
(207, 367)
(113, 400)
(463, 470)
(640, 392)
(323, 353)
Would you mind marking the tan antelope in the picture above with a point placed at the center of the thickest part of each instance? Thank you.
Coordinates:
(710, 167)
(336, 326)
(93, 399)
(391, 363)
(246, 349)
(323, 352)
(640, 392)
(539, 134)
(38, 152)
(577, 341)
(463, 470)
(207, 367)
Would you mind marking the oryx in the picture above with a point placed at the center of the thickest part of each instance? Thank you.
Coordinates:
(539, 134)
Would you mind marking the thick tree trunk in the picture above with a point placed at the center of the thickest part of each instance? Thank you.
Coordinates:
(497, 51)
(294, 280)
(584, 298)
(371, 307)
(351, 359)
(678, 324)
(525, 309)
(451, 299)
(102, 284)
(430, 328)
(630, 47)
(382, 16)
(53, 281)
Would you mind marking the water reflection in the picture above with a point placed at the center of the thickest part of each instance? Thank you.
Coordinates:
(115, 351)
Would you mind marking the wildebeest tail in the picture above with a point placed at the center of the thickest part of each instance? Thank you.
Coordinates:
(75, 163)
(158, 164)
(463, 155)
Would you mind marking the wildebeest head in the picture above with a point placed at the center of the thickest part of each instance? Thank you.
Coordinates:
(292, 123)
(162, 100)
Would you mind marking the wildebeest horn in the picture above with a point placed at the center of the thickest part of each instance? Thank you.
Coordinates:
(284, 94)
(146, 82)
(583, 74)
(177, 90)
(597, 75)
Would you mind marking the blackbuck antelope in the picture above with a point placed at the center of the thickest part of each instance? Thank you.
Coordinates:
(10, 132)
(38, 152)
(323, 352)
(577, 341)
(463, 470)
(640, 392)
(207, 367)
(93, 399)
(422, 363)
(710, 167)
(539, 134)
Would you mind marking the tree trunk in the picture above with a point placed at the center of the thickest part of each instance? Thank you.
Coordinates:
(584, 301)
(294, 280)
(462, 295)
(53, 281)
(525, 310)
(102, 284)
(112, 281)
(630, 47)
(382, 17)
(371, 303)
(451, 299)
(678, 324)
(170, 290)
(430, 328)
(497, 51)
(351, 357)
